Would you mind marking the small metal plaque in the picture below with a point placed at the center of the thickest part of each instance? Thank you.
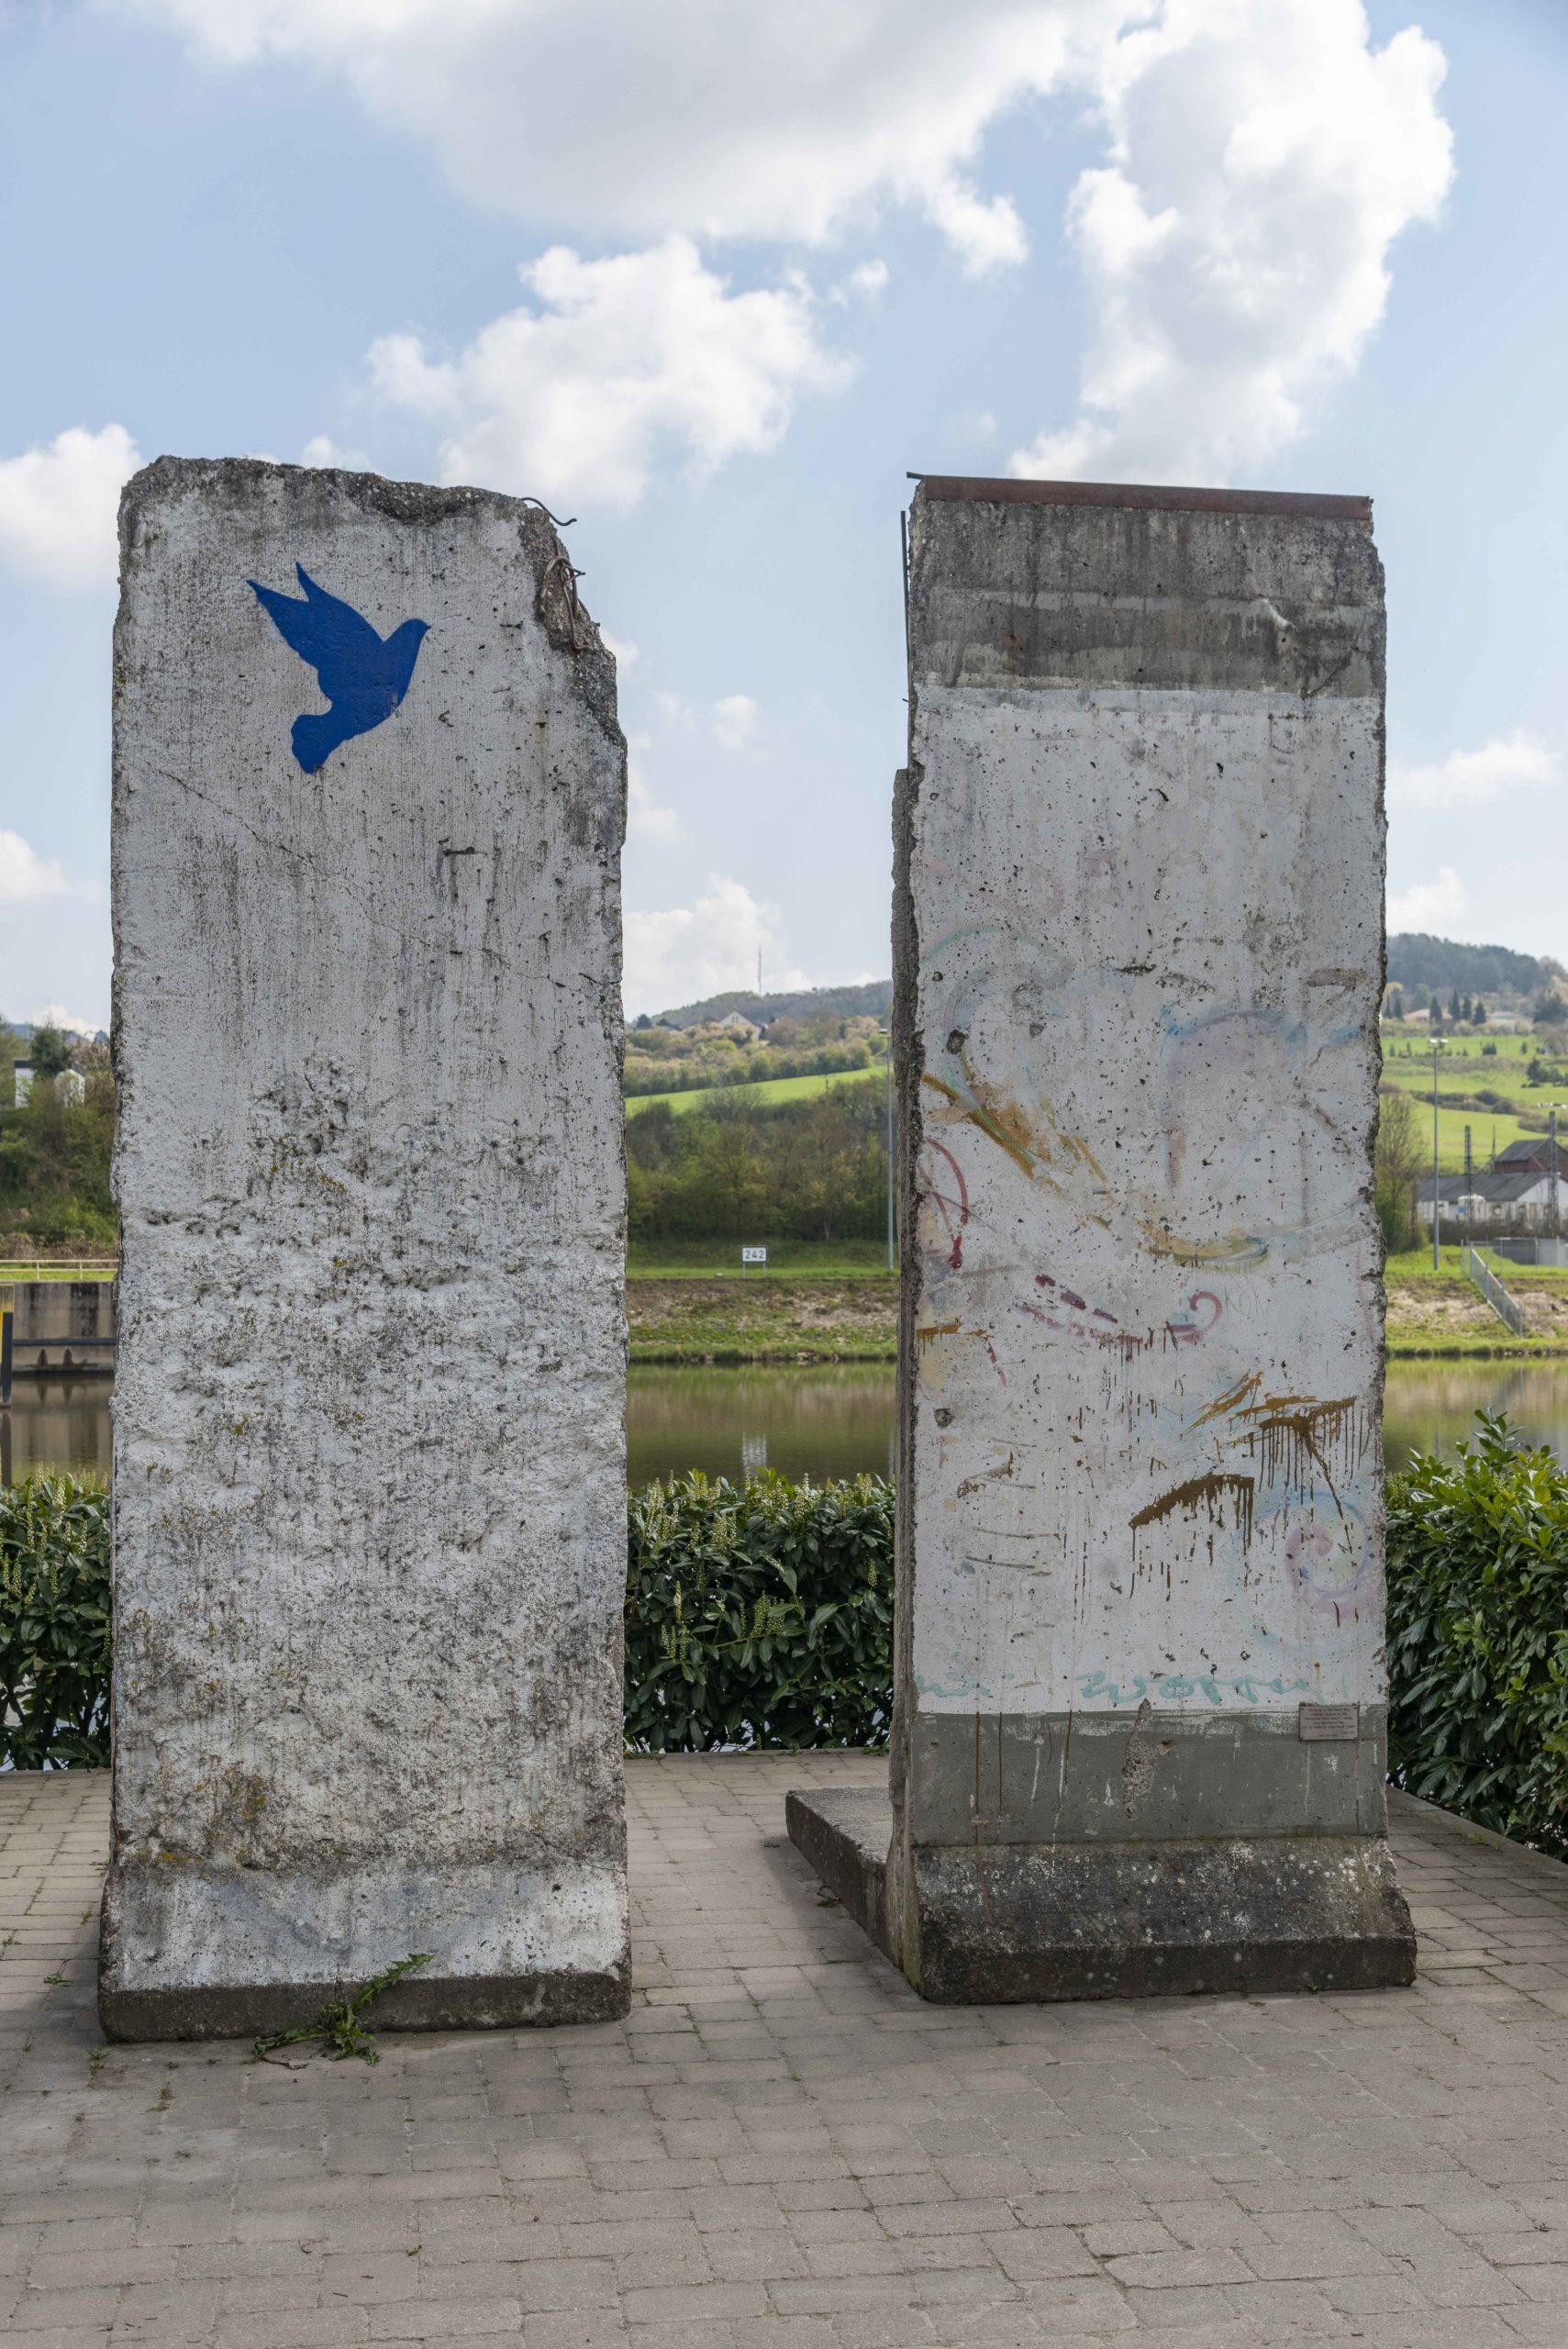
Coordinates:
(1322, 1721)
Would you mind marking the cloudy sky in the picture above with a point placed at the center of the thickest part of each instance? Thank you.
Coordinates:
(711, 275)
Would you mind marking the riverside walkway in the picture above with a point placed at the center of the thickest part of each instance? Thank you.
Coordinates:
(783, 2148)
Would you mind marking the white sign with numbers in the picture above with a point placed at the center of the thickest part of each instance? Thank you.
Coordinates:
(753, 1255)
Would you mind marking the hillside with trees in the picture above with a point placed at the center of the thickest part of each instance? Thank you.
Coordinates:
(736, 1168)
(55, 1146)
(869, 999)
(1424, 965)
(731, 1049)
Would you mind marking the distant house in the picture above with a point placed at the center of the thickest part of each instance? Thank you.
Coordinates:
(1532, 1153)
(1507, 1023)
(740, 1026)
(71, 1085)
(1507, 1195)
(1418, 1015)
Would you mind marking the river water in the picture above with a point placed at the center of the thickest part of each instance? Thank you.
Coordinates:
(822, 1422)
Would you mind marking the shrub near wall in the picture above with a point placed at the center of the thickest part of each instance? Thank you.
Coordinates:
(763, 1615)
(758, 1615)
(755, 1615)
(54, 1624)
(1478, 1635)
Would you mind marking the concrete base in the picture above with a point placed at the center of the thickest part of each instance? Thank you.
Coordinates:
(193, 1952)
(994, 1924)
(456, 2003)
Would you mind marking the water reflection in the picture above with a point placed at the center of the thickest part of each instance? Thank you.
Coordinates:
(821, 1421)
(1431, 1406)
(56, 1423)
(817, 1422)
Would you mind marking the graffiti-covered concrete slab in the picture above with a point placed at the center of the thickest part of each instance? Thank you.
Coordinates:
(1139, 958)
(369, 1477)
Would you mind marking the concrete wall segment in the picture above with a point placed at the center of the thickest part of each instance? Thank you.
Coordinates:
(1141, 957)
(369, 1452)
(1034, 597)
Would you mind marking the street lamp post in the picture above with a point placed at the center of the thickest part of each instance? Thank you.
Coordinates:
(890, 1237)
(1469, 1188)
(1437, 1196)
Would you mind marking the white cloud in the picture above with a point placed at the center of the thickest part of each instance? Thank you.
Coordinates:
(55, 1015)
(625, 361)
(1430, 904)
(322, 450)
(733, 721)
(627, 655)
(59, 505)
(690, 951)
(865, 283)
(1510, 762)
(24, 875)
(985, 233)
(1264, 157)
(741, 121)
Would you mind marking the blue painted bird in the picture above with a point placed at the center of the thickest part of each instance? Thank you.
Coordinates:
(364, 675)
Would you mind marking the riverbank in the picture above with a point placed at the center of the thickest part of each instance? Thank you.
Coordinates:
(852, 1317)
(838, 1304)
(729, 1319)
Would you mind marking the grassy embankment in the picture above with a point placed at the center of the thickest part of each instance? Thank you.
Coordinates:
(816, 1302)
(1442, 1313)
(837, 1304)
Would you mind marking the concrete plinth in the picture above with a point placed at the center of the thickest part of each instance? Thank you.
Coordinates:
(368, 1469)
(1140, 1713)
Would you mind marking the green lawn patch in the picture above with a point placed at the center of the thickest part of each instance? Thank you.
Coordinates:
(807, 1319)
(771, 1088)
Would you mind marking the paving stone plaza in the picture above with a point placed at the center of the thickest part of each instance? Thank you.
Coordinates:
(782, 2146)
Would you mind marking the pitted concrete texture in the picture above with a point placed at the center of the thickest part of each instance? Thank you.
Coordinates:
(781, 2147)
(370, 1540)
(1138, 957)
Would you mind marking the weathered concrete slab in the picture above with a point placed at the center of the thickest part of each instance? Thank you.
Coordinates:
(1138, 963)
(369, 1477)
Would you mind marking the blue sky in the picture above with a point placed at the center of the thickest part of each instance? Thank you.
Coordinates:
(771, 260)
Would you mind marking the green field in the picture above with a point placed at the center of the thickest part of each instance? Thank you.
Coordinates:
(1463, 1071)
(771, 1088)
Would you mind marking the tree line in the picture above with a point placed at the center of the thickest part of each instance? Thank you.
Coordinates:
(739, 1168)
(55, 1149)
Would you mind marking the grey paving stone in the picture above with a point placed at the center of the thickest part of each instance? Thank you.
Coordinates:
(781, 2147)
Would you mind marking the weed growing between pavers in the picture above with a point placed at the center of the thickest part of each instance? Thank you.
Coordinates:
(338, 2026)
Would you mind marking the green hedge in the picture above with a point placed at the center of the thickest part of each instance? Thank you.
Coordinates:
(54, 1623)
(1478, 1634)
(758, 1615)
(761, 1615)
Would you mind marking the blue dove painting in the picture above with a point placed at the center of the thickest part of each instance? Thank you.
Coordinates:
(364, 675)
